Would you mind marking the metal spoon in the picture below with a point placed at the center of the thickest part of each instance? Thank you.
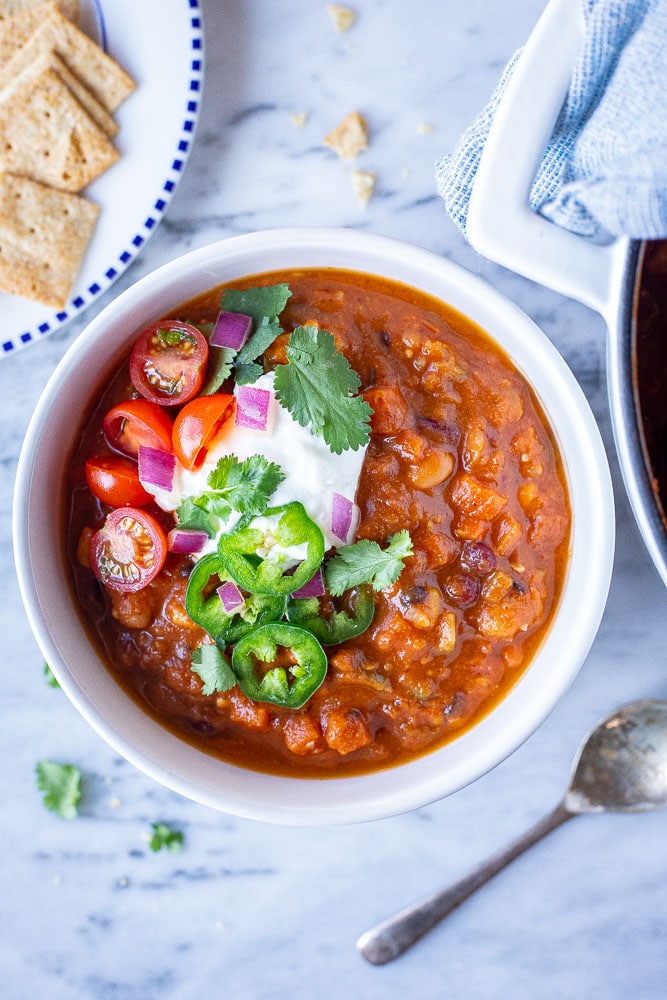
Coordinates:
(621, 767)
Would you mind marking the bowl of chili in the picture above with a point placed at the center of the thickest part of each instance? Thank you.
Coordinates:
(482, 522)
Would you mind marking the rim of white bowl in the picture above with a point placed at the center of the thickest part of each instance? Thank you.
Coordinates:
(46, 592)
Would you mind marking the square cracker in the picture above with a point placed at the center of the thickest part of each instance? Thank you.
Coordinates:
(18, 20)
(37, 58)
(46, 135)
(97, 71)
(11, 8)
(43, 238)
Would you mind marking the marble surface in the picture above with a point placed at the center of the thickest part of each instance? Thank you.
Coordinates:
(255, 911)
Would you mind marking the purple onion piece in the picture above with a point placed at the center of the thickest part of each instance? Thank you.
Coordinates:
(343, 517)
(231, 330)
(186, 541)
(253, 407)
(312, 588)
(231, 597)
(156, 468)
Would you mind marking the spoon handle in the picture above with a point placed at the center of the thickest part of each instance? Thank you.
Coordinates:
(392, 937)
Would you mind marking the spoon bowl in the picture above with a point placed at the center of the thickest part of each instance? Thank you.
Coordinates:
(620, 767)
(622, 764)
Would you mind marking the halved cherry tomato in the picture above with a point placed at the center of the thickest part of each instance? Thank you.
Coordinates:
(129, 550)
(168, 362)
(198, 425)
(115, 481)
(136, 422)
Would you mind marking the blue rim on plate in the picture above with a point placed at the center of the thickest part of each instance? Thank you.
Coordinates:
(120, 259)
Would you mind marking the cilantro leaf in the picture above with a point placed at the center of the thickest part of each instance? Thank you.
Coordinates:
(264, 335)
(366, 562)
(61, 784)
(258, 303)
(263, 305)
(50, 677)
(247, 373)
(163, 836)
(242, 486)
(317, 386)
(190, 516)
(213, 668)
(218, 370)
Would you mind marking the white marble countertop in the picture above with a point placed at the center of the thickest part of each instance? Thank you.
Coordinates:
(254, 911)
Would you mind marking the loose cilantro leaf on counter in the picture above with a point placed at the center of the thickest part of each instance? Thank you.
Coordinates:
(244, 486)
(366, 562)
(317, 386)
(50, 677)
(213, 668)
(61, 784)
(163, 836)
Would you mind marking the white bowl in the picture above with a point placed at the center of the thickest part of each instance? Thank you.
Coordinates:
(44, 578)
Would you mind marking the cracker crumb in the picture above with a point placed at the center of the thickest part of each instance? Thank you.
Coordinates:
(115, 802)
(299, 118)
(425, 128)
(349, 137)
(363, 185)
(342, 17)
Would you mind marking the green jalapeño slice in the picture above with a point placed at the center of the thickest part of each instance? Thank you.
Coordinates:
(275, 553)
(279, 663)
(333, 620)
(204, 606)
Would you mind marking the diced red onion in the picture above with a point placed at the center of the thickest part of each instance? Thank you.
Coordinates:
(156, 468)
(344, 517)
(253, 407)
(231, 330)
(186, 541)
(231, 597)
(313, 588)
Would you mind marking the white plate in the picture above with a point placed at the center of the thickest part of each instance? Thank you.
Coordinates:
(160, 44)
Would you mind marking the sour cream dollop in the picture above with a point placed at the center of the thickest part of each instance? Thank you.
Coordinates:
(313, 473)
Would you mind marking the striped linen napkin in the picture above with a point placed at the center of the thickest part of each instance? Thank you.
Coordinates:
(605, 169)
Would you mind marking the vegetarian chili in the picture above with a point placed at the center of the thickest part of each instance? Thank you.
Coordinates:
(323, 635)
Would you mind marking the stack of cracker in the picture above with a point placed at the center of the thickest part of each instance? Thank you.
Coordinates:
(58, 93)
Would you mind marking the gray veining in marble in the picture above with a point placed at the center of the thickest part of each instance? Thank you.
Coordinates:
(252, 911)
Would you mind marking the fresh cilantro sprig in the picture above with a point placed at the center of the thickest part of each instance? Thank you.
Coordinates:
(162, 836)
(366, 562)
(245, 487)
(189, 516)
(61, 784)
(264, 306)
(318, 387)
(213, 668)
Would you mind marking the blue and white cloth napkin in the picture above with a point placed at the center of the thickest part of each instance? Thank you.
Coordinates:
(605, 169)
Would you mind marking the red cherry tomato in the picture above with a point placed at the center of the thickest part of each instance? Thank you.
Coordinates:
(197, 427)
(168, 362)
(115, 481)
(129, 550)
(136, 422)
